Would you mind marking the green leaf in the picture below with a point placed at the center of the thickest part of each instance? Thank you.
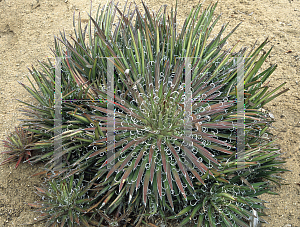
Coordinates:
(212, 221)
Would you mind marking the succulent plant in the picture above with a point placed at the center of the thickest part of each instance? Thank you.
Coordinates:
(20, 144)
(168, 161)
(64, 203)
(160, 117)
(229, 201)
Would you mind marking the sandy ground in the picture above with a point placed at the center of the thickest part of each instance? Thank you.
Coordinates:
(26, 34)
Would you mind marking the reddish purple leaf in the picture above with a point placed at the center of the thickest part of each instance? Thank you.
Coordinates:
(195, 173)
(20, 159)
(152, 168)
(130, 144)
(162, 153)
(126, 128)
(113, 169)
(168, 172)
(151, 151)
(214, 90)
(108, 148)
(217, 141)
(40, 190)
(195, 160)
(221, 149)
(125, 175)
(141, 172)
(180, 164)
(204, 152)
(139, 158)
(222, 125)
(131, 191)
(178, 182)
(141, 140)
(127, 159)
(159, 187)
(168, 192)
(145, 188)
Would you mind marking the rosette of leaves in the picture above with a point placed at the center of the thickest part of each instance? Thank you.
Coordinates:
(20, 144)
(247, 174)
(149, 101)
(150, 115)
(230, 197)
(151, 157)
(64, 202)
(41, 116)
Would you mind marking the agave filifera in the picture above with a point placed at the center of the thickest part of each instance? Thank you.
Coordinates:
(20, 143)
(65, 202)
(167, 148)
(149, 103)
(230, 201)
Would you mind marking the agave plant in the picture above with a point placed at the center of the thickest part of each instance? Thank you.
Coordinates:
(154, 99)
(157, 107)
(41, 121)
(230, 201)
(164, 156)
(20, 144)
(64, 203)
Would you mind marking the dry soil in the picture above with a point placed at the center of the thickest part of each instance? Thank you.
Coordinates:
(26, 34)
